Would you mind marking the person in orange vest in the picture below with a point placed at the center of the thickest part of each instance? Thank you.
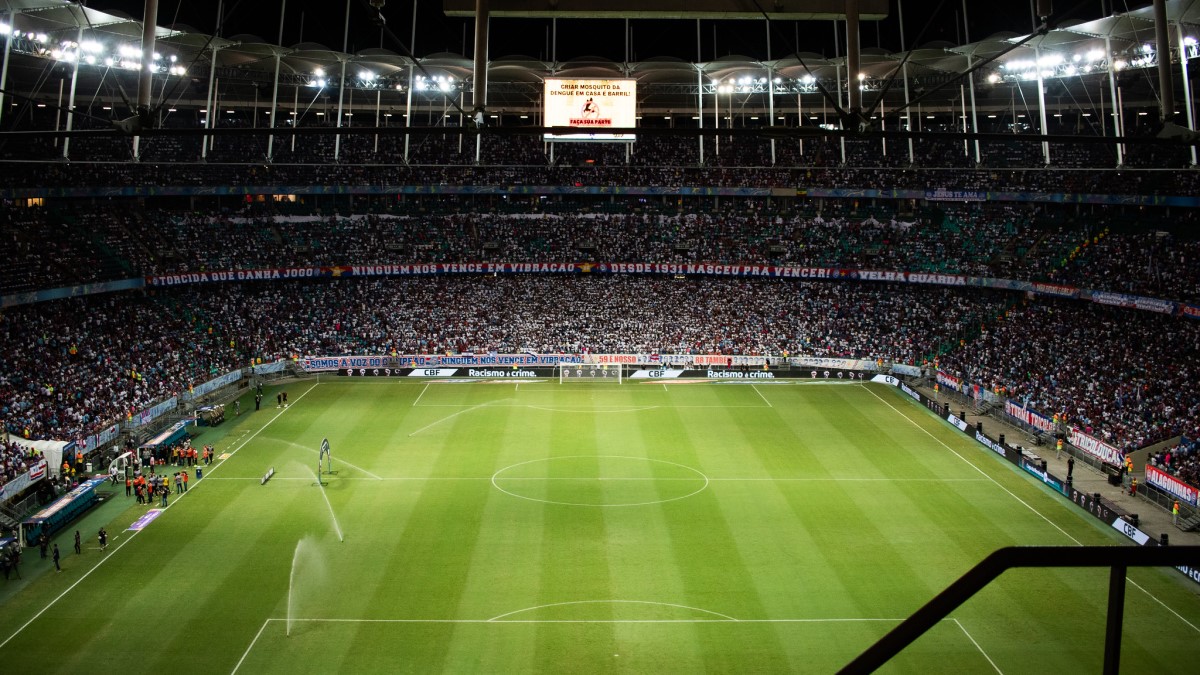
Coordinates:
(185, 480)
(128, 487)
(1175, 513)
(1058, 446)
(66, 468)
(1133, 487)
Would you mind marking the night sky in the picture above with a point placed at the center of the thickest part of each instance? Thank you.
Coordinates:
(322, 21)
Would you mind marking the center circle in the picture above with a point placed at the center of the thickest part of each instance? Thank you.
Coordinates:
(599, 480)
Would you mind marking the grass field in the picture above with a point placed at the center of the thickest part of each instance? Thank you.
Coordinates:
(537, 527)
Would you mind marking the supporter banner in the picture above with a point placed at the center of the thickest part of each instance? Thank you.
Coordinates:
(1096, 447)
(1190, 311)
(816, 192)
(955, 196)
(314, 364)
(1029, 417)
(951, 382)
(212, 385)
(268, 368)
(98, 439)
(150, 414)
(1133, 302)
(1172, 485)
(17, 485)
(727, 360)
(1055, 290)
(911, 371)
(15, 299)
(825, 362)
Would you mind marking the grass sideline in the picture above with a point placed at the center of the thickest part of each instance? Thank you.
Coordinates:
(538, 527)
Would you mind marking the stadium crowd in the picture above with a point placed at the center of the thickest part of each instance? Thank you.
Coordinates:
(1126, 376)
(74, 366)
(1099, 250)
(1181, 460)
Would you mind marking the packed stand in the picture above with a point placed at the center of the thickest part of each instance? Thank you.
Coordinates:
(1126, 376)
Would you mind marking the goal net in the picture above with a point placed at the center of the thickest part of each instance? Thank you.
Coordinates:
(589, 372)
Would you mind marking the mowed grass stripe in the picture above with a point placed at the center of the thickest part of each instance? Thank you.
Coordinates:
(505, 567)
(714, 569)
(573, 562)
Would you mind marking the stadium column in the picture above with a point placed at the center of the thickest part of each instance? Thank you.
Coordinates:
(71, 98)
(275, 87)
(210, 101)
(699, 93)
(146, 76)
(1041, 85)
(770, 91)
(412, 52)
(1116, 101)
(1162, 50)
(479, 91)
(912, 157)
(971, 85)
(853, 88)
(1187, 86)
(8, 37)
(337, 138)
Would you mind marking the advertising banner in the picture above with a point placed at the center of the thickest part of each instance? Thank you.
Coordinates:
(1046, 477)
(1096, 447)
(657, 374)
(1172, 485)
(592, 104)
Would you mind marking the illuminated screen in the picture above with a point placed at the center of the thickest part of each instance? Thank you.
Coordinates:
(596, 104)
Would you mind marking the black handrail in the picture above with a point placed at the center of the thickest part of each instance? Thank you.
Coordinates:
(1118, 558)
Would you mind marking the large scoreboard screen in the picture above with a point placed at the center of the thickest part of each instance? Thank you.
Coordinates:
(591, 104)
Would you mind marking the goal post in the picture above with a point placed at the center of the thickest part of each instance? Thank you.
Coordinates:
(589, 372)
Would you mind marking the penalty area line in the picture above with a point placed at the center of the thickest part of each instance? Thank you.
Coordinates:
(972, 639)
(252, 642)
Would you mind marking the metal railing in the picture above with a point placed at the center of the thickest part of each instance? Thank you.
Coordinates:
(1117, 558)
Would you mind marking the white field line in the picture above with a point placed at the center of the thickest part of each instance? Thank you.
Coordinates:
(137, 532)
(450, 417)
(256, 636)
(643, 478)
(975, 466)
(593, 408)
(612, 602)
(418, 399)
(760, 395)
(525, 621)
(972, 639)
(1039, 513)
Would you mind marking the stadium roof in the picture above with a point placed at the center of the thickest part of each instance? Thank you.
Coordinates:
(245, 65)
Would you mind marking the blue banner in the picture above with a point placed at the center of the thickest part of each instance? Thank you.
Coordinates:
(213, 384)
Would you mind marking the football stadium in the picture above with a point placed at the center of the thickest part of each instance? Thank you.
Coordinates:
(599, 337)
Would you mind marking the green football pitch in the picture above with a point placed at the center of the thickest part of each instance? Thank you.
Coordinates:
(516, 527)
